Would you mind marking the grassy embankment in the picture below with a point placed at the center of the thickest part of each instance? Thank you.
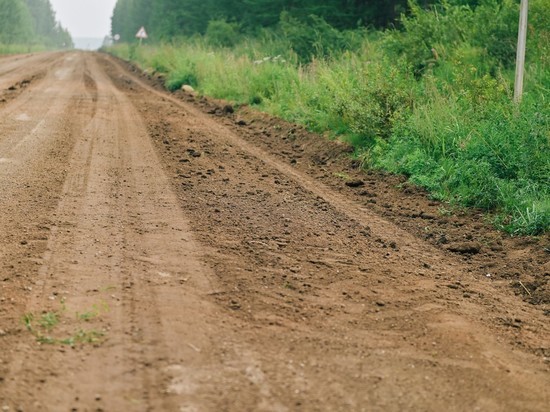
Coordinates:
(431, 101)
(6, 49)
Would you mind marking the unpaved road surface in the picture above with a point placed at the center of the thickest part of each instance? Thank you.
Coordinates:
(162, 253)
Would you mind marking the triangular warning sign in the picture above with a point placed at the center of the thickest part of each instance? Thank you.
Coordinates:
(141, 34)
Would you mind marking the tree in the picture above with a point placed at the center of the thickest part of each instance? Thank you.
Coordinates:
(120, 22)
(43, 18)
(166, 19)
(31, 22)
(46, 29)
(129, 16)
(15, 22)
(173, 18)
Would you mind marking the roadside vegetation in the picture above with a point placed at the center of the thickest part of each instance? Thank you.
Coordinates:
(427, 94)
(30, 26)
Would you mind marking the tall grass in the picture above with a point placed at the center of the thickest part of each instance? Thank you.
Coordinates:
(444, 118)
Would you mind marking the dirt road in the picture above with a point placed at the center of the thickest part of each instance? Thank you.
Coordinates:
(161, 253)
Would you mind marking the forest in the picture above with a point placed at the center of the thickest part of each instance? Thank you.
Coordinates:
(169, 18)
(419, 89)
(30, 24)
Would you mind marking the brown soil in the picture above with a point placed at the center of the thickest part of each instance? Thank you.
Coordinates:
(178, 256)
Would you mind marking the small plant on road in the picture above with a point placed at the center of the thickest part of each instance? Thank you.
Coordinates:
(43, 326)
(95, 311)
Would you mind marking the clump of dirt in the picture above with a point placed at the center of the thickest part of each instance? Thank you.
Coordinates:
(16, 89)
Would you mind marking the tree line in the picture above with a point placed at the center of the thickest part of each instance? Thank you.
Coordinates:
(31, 22)
(166, 19)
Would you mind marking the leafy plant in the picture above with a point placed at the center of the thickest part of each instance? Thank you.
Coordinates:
(311, 37)
(221, 33)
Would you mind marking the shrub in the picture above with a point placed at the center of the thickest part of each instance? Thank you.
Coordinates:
(495, 28)
(381, 98)
(313, 37)
(220, 33)
(428, 35)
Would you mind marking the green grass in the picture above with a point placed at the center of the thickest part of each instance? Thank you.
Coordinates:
(82, 336)
(44, 326)
(95, 311)
(20, 49)
(49, 320)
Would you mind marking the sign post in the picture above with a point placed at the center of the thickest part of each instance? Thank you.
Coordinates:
(141, 34)
(520, 58)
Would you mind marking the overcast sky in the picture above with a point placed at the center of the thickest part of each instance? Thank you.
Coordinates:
(85, 18)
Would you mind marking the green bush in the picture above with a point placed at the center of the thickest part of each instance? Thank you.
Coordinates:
(183, 71)
(220, 33)
(495, 28)
(312, 37)
(493, 158)
(381, 98)
(429, 37)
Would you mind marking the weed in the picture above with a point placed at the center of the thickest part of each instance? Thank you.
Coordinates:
(83, 337)
(86, 316)
(93, 312)
(49, 320)
(46, 340)
(42, 327)
(342, 175)
(28, 319)
(445, 211)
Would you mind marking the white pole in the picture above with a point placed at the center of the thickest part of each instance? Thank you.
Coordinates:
(520, 58)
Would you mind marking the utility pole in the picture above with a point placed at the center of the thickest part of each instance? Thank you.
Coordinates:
(520, 57)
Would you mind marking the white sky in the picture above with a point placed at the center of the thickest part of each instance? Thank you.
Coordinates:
(85, 18)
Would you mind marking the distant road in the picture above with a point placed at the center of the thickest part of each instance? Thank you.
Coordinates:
(87, 43)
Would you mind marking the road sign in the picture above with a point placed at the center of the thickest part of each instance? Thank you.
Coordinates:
(142, 34)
